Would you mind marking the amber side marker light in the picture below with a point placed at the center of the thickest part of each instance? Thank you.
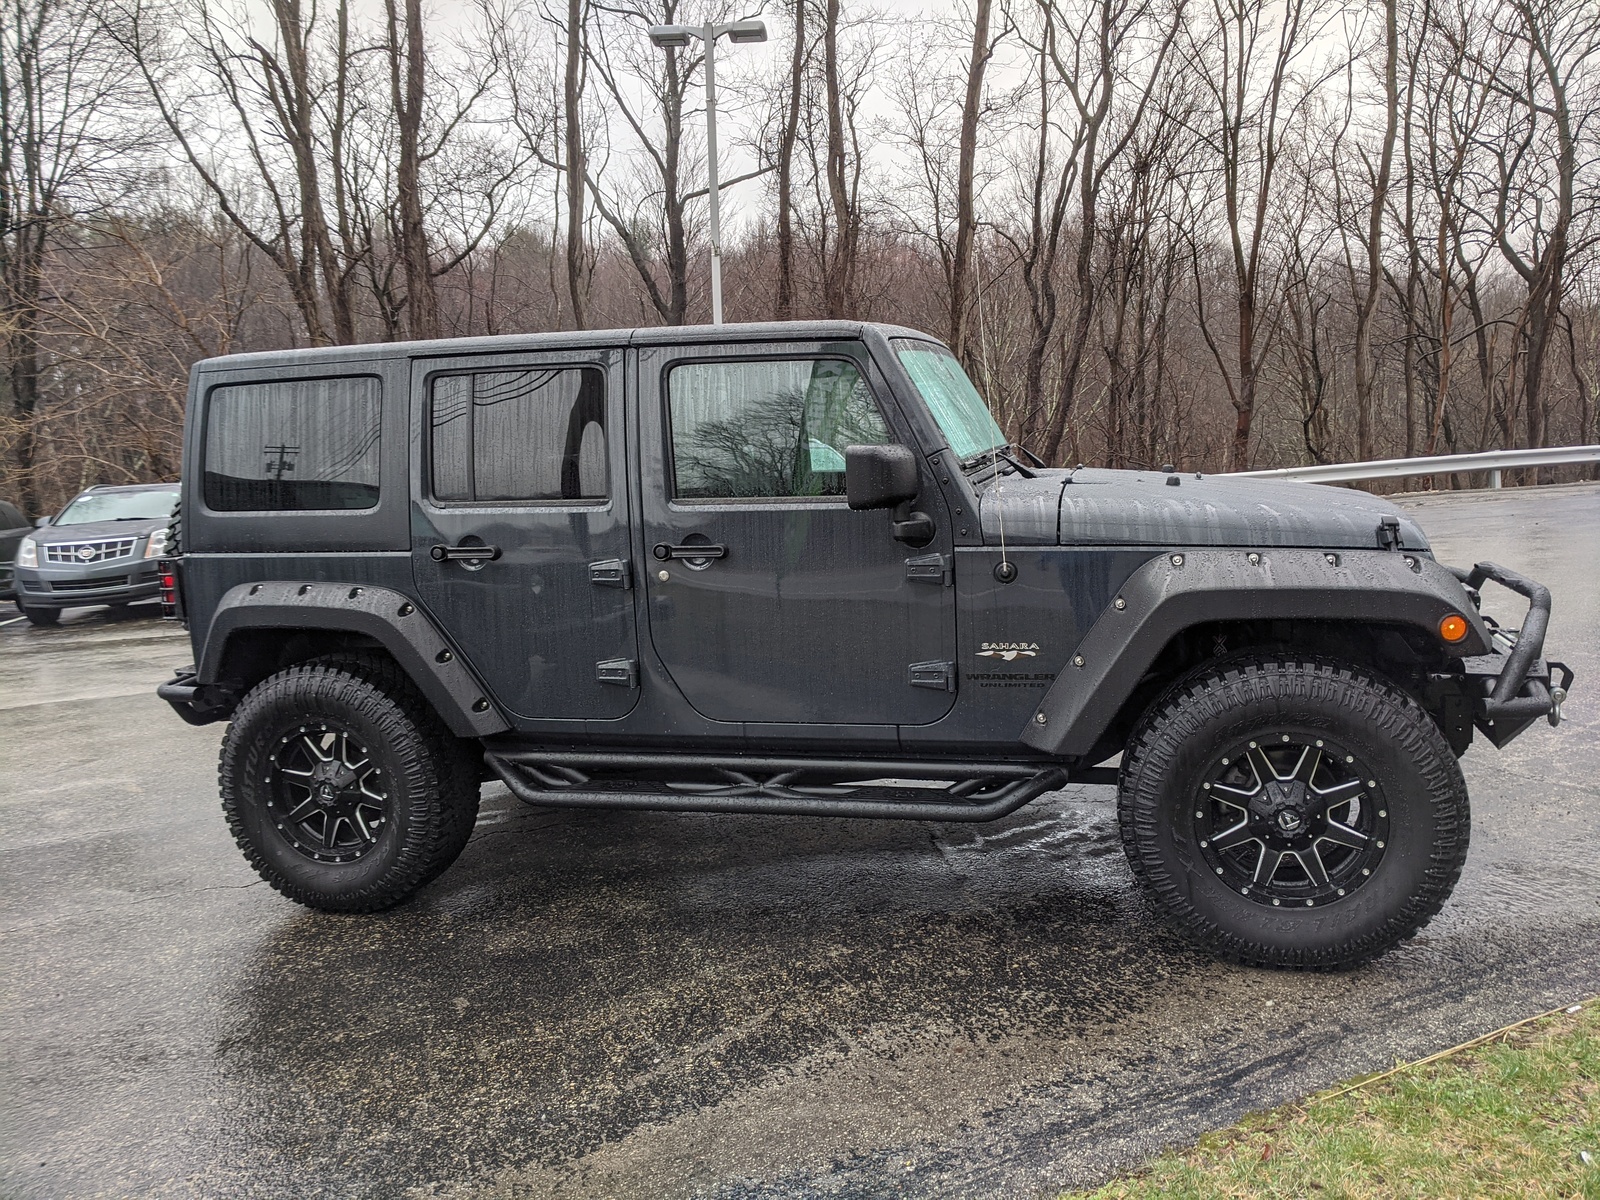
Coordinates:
(1453, 628)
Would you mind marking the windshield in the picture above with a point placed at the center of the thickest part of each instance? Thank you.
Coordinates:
(968, 426)
(118, 506)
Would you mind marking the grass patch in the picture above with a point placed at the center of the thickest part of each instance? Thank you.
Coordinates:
(1508, 1116)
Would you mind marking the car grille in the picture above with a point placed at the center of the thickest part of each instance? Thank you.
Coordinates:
(88, 585)
(98, 552)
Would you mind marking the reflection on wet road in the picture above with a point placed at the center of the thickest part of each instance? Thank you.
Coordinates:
(627, 1004)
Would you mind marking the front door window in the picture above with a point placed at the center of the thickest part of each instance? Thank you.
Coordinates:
(775, 427)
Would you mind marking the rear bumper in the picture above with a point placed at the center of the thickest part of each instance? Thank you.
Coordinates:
(1514, 684)
(197, 703)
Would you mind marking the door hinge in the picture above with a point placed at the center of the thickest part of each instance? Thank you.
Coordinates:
(613, 572)
(936, 569)
(623, 672)
(940, 676)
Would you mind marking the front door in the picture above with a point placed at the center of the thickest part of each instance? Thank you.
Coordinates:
(519, 535)
(798, 610)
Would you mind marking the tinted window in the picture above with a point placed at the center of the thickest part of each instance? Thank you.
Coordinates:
(778, 427)
(536, 434)
(293, 445)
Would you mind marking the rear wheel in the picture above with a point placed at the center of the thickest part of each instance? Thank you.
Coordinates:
(1300, 814)
(341, 787)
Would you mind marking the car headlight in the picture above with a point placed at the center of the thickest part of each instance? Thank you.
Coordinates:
(158, 544)
(27, 553)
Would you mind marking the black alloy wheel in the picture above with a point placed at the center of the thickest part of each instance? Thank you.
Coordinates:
(1292, 812)
(328, 797)
(342, 787)
(1291, 819)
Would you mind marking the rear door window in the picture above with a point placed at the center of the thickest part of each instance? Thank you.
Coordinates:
(293, 445)
(518, 435)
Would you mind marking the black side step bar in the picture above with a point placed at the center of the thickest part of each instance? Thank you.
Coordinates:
(806, 787)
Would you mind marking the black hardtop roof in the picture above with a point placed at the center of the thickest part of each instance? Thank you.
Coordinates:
(756, 331)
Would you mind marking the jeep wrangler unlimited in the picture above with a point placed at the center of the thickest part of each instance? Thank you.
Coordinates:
(797, 569)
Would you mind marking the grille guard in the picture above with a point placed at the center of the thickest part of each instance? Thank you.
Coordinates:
(1511, 686)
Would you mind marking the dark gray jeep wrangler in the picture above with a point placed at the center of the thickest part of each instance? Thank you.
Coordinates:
(797, 569)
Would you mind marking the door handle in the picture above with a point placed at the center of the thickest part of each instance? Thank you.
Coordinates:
(663, 551)
(464, 553)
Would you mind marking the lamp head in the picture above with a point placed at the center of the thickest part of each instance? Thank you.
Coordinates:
(747, 31)
(671, 36)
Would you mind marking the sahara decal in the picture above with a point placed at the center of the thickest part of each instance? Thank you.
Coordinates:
(1010, 651)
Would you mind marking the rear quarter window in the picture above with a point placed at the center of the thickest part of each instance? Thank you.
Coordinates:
(294, 445)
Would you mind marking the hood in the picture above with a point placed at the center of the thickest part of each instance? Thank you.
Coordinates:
(94, 531)
(1092, 507)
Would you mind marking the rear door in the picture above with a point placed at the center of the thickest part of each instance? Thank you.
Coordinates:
(800, 610)
(520, 526)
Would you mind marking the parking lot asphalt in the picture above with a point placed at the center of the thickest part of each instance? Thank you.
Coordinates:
(656, 1005)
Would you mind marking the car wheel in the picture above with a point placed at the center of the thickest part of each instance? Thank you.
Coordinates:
(342, 788)
(41, 616)
(1293, 813)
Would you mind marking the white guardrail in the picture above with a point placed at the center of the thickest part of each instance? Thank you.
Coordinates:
(1492, 461)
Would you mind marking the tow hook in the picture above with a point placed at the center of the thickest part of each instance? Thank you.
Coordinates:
(1557, 695)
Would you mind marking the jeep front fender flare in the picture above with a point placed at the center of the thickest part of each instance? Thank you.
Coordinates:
(1173, 592)
(386, 616)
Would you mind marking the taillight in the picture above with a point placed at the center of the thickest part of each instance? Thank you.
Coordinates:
(167, 572)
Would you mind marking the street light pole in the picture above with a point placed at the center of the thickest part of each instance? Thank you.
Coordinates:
(709, 36)
(677, 37)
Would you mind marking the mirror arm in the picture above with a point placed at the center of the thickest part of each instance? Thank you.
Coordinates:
(913, 528)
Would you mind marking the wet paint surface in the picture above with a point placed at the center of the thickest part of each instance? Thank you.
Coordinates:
(630, 1004)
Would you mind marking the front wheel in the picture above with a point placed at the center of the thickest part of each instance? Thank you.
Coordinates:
(1293, 813)
(341, 787)
(41, 616)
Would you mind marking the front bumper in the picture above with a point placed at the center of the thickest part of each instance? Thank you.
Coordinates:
(119, 581)
(1506, 690)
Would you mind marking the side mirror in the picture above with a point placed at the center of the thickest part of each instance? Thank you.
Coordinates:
(886, 477)
(879, 476)
(41, 522)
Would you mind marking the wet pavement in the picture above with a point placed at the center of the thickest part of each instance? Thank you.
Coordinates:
(655, 1005)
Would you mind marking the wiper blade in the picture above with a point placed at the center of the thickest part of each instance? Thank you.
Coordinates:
(993, 456)
(1021, 470)
(984, 457)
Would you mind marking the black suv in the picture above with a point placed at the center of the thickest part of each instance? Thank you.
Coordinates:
(102, 548)
(797, 569)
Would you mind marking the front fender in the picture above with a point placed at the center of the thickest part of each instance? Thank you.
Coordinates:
(1176, 591)
(387, 616)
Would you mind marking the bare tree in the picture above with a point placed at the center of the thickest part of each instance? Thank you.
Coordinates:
(1094, 61)
(1367, 306)
(59, 139)
(407, 55)
(1245, 62)
(790, 132)
(982, 51)
(1549, 44)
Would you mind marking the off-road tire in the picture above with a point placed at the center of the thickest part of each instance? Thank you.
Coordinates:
(462, 759)
(433, 783)
(42, 617)
(1427, 820)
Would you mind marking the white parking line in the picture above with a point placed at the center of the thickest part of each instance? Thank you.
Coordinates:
(13, 621)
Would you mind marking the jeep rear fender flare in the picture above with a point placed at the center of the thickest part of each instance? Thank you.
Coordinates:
(386, 616)
(1178, 590)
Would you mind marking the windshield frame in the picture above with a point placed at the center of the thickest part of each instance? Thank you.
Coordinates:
(968, 458)
(90, 499)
